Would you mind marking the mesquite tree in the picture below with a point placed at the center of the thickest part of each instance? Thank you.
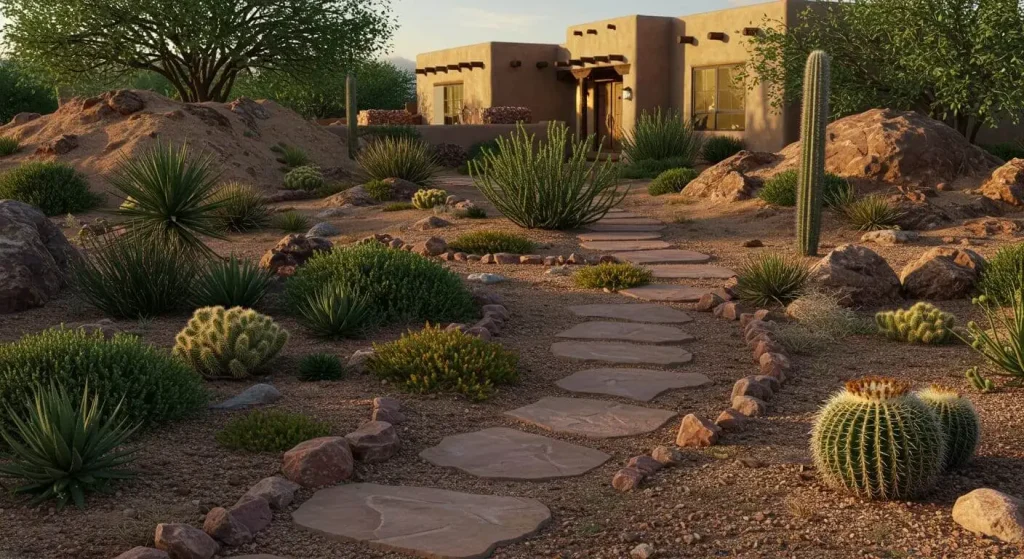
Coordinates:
(200, 46)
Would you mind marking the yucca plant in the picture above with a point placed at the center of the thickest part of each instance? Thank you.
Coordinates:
(534, 186)
(872, 213)
(291, 222)
(320, 366)
(770, 279)
(331, 312)
(63, 451)
(9, 146)
(400, 158)
(662, 135)
(231, 283)
(171, 197)
(1001, 340)
(243, 208)
(293, 156)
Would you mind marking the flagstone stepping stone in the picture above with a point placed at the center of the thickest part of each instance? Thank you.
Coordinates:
(668, 256)
(617, 352)
(621, 214)
(421, 521)
(636, 384)
(507, 454)
(610, 226)
(625, 331)
(637, 312)
(691, 271)
(625, 245)
(597, 419)
(666, 293)
(620, 236)
(632, 221)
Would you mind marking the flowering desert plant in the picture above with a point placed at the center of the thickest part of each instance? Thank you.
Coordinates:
(507, 115)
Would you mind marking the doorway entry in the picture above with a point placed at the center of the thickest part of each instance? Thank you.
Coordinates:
(608, 114)
(599, 105)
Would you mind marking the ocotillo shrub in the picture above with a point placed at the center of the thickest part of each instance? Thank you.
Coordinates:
(921, 324)
(229, 343)
(812, 158)
(960, 423)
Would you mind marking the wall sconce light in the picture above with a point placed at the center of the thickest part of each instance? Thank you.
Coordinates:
(627, 94)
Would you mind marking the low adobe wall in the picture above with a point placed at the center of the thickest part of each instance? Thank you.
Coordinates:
(465, 135)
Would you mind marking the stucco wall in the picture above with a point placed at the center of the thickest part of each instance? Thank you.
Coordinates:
(529, 86)
(476, 83)
(622, 41)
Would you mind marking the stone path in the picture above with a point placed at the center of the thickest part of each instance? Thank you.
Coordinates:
(688, 271)
(622, 353)
(597, 419)
(636, 384)
(612, 246)
(648, 333)
(640, 312)
(620, 236)
(612, 225)
(668, 256)
(666, 293)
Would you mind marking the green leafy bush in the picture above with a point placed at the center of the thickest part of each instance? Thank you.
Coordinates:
(398, 206)
(290, 222)
(613, 276)
(436, 360)
(331, 311)
(1004, 274)
(242, 208)
(1001, 339)
(671, 181)
(401, 158)
(428, 198)
(534, 185)
(292, 156)
(921, 324)
(320, 366)
(769, 279)
(662, 135)
(648, 169)
(270, 431)
(151, 385)
(62, 450)
(306, 177)
(872, 213)
(9, 146)
(473, 212)
(719, 148)
(229, 343)
(231, 283)
(54, 188)
(379, 190)
(490, 242)
(398, 285)
(780, 190)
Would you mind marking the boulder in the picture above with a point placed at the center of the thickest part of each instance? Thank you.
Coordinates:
(374, 441)
(729, 180)
(991, 226)
(355, 196)
(991, 513)
(291, 252)
(1006, 184)
(182, 541)
(388, 410)
(124, 101)
(432, 246)
(889, 237)
(748, 386)
(61, 145)
(731, 420)
(34, 257)
(319, 462)
(222, 526)
(943, 273)
(357, 362)
(255, 395)
(430, 222)
(859, 274)
(917, 214)
(695, 431)
(749, 406)
(140, 552)
(253, 513)
(277, 491)
(323, 229)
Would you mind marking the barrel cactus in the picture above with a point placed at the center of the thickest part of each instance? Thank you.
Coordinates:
(921, 324)
(878, 440)
(811, 181)
(307, 177)
(229, 343)
(427, 198)
(960, 423)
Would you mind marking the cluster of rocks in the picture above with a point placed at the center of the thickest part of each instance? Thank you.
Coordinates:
(437, 247)
(291, 252)
(643, 466)
(491, 325)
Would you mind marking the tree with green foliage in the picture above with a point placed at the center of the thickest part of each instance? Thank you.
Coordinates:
(201, 46)
(958, 61)
(20, 92)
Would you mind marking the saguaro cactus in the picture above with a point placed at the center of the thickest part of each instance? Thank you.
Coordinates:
(352, 116)
(812, 159)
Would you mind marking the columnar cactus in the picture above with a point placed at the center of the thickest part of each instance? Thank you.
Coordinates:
(351, 115)
(306, 177)
(878, 441)
(812, 159)
(978, 381)
(229, 343)
(959, 421)
(427, 198)
(921, 324)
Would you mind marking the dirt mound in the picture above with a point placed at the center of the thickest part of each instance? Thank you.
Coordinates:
(94, 135)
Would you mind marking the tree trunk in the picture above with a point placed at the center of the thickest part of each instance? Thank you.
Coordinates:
(351, 115)
(975, 128)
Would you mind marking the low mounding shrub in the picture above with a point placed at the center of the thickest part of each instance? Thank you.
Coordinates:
(291, 222)
(451, 156)
(507, 115)
(54, 188)
(436, 360)
(662, 135)
(379, 190)
(9, 146)
(398, 285)
(305, 177)
(400, 158)
(671, 181)
(150, 385)
(534, 185)
(229, 343)
(1004, 274)
(472, 212)
(872, 213)
(1001, 339)
(719, 148)
(491, 242)
(780, 190)
(242, 208)
(428, 198)
(612, 276)
(320, 366)
(921, 324)
(770, 279)
(398, 207)
(231, 283)
(650, 168)
(63, 450)
(270, 431)
(332, 312)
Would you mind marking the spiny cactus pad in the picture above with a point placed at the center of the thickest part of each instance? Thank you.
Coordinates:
(960, 423)
(921, 324)
(229, 343)
(306, 178)
(427, 198)
(878, 441)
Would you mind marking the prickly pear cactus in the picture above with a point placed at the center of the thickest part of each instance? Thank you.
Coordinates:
(306, 178)
(229, 343)
(878, 441)
(978, 381)
(960, 424)
(427, 198)
(921, 324)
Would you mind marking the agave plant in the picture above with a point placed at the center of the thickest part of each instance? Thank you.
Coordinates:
(62, 451)
(771, 279)
(232, 283)
(243, 208)
(291, 222)
(872, 213)
(400, 158)
(663, 135)
(331, 312)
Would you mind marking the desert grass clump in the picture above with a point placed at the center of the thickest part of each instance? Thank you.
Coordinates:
(231, 343)
(331, 311)
(662, 135)
(54, 188)
(292, 156)
(612, 276)
(231, 283)
(306, 177)
(1004, 274)
(921, 324)
(1000, 341)
(719, 148)
(270, 431)
(398, 207)
(321, 366)
(671, 181)
(877, 440)
(429, 198)
(64, 450)
(872, 213)
(400, 158)
(9, 146)
(491, 242)
(290, 222)
(242, 208)
(960, 424)
(437, 360)
(770, 279)
(781, 190)
(822, 313)
(472, 212)
(379, 190)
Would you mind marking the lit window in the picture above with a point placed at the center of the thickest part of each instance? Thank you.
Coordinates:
(718, 99)
(453, 103)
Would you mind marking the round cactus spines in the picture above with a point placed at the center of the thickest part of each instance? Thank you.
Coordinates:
(229, 343)
(307, 177)
(921, 324)
(427, 198)
(878, 441)
(960, 423)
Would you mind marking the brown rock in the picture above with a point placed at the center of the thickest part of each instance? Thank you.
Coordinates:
(402, 189)
(182, 541)
(431, 222)
(254, 513)
(747, 386)
(991, 226)
(646, 464)
(943, 273)
(731, 421)
(862, 276)
(991, 513)
(500, 310)
(506, 258)
(389, 410)
(750, 407)
(531, 259)
(222, 526)
(709, 302)
(319, 462)
(124, 101)
(489, 324)
(432, 247)
(59, 146)
(729, 180)
(728, 311)
(627, 479)
(765, 346)
(753, 243)
(1006, 184)
(293, 251)
(487, 259)
(480, 332)
(773, 361)
(374, 441)
(667, 455)
(140, 552)
(772, 383)
(277, 491)
(22, 118)
(695, 431)
(34, 257)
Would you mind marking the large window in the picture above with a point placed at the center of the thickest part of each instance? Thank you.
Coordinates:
(453, 103)
(718, 98)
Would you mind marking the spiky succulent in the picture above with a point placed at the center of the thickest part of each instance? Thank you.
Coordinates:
(978, 381)
(960, 424)
(306, 177)
(321, 366)
(921, 324)
(229, 343)
(427, 198)
(878, 441)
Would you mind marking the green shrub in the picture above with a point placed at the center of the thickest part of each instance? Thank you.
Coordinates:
(170, 197)
(1006, 150)
(921, 324)
(490, 242)
(398, 206)
(292, 156)
(872, 213)
(129, 278)
(769, 279)
(401, 158)
(394, 131)
(671, 181)
(719, 148)
(54, 188)
(229, 343)
(959, 421)
(306, 177)
(398, 285)
(534, 185)
(612, 276)
(648, 169)
(9, 146)
(270, 431)
(290, 222)
(473, 212)
(1004, 274)
(320, 366)
(436, 360)
(62, 450)
(1000, 341)
(242, 208)
(331, 311)
(662, 135)
(231, 283)
(780, 190)
(151, 385)
(428, 198)
(379, 190)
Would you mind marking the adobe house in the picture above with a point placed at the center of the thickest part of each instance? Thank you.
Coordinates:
(608, 72)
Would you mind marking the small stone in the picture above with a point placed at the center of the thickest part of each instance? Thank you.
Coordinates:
(533, 259)
(749, 406)
(645, 464)
(709, 302)
(433, 246)
(627, 479)
(486, 278)
(889, 237)
(487, 259)
(500, 310)
(256, 395)
(772, 383)
(695, 431)
(222, 526)
(728, 311)
(745, 319)
(323, 229)
(490, 324)
(428, 223)
(388, 410)
(254, 513)
(991, 513)
(563, 270)
(396, 243)
(731, 420)
(319, 462)
(643, 551)
(182, 541)
(277, 491)
(357, 363)
(374, 441)
(575, 259)
(765, 346)
(774, 362)
(143, 553)
(753, 243)
(480, 332)
(748, 386)
(506, 258)
(474, 258)
(550, 260)
(667, 456)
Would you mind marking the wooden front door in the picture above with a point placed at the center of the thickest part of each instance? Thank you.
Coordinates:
(608, 105)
